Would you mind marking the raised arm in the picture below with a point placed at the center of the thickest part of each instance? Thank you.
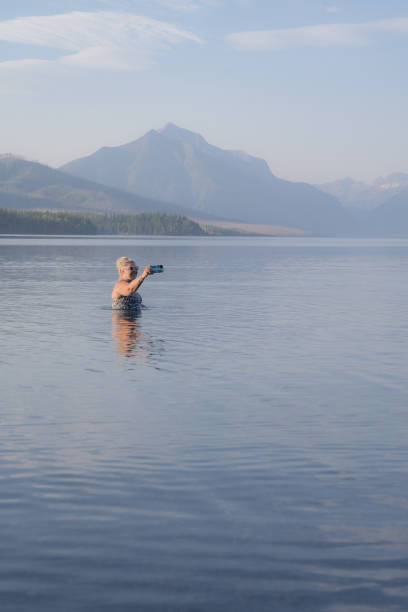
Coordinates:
(123, 287)
(135, 284)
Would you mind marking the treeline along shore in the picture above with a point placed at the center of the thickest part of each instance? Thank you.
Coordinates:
(48, 222)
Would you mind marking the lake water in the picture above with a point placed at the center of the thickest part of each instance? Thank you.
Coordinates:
(241, 446)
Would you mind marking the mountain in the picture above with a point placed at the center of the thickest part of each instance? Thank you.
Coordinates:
(366, 196)
(26, 185)
(379, 208)
(391, 218)
(176, 165)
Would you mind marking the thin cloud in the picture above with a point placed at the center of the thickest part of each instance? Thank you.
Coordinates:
(175, 5)
(331, 8)
(340, 34)
(104, 40)
(14, 91)
(186, 5)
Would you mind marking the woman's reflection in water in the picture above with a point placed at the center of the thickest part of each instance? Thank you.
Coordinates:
(129, 340)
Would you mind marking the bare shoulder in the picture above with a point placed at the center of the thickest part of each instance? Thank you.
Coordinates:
(118, 290)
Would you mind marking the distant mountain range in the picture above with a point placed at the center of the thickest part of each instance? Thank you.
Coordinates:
(357, 195)
(379, 208)
(389, 219)
(173, 170)
(176, 165)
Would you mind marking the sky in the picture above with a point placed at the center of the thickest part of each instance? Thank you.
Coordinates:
(318, 88)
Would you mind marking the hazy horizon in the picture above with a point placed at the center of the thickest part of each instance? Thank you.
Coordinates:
(317, 90)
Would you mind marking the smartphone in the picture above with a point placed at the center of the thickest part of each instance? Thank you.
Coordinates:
(156, 269)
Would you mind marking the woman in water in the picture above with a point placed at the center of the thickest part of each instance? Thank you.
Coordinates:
(124, 294)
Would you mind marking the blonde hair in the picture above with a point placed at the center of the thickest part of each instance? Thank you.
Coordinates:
(122, 262)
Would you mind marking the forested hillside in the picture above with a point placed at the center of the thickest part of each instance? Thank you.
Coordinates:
(46, 222)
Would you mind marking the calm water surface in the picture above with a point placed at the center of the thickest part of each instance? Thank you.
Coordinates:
(241, 446)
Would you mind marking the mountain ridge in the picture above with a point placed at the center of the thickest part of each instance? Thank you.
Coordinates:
(366, 196)
(30, 185)
(175, 165)
(239, 187)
